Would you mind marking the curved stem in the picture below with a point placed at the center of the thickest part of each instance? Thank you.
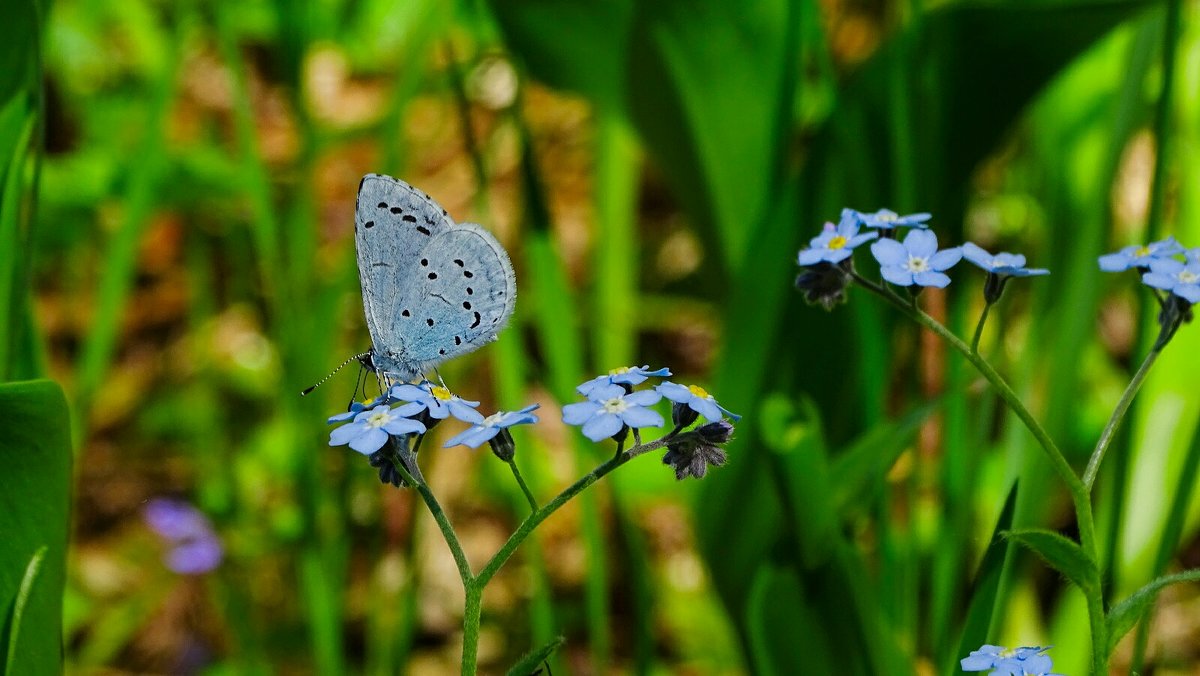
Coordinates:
(533, 520)
(439, 515)
(1118, 414)
(979, 328)
(512, 463)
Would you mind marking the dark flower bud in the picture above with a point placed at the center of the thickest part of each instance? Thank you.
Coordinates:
(824, 284)
(716, 433)
(683, 415)
(993, 287)
(502, 445)
(691, 456)
(1176, 311)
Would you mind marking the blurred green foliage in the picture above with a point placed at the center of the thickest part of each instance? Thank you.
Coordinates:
(652, 166)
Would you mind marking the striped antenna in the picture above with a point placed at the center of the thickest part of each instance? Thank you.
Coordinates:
(358, 357)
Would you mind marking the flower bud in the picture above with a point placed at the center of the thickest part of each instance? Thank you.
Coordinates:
(502, 445)
(716, 433)
(683, 415)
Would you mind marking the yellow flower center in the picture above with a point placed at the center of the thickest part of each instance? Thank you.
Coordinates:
(1142, 251)
(837, 242)
(615, 405)
(698, 391)
(379, 418)
(619, 371)
(442, 393)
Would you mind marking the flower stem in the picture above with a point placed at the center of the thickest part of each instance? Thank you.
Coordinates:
(439, 515)
(1118, 414)
(512, 463)
(979, 328)
(472, 610)
(533, 520)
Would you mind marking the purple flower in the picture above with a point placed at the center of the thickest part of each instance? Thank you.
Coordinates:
(1139, 256)
(610, 409)
(626, 375)
(915, 262)
(886, 219)
(371, 428)
(193, 546)
(440, 402)
(835, 243)
(486, 429)
(1010, 265)
(1181, 279)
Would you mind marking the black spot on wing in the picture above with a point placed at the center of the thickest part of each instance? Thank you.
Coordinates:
(408, 218)
(478, 318)
(369, 224)
(423, 230)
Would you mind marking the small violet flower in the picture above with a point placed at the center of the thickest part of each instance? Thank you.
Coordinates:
(696, 399)
(1181, 279)
(626, 375)
(610, 409)
(1010, 265)
(886, 219)
(486, 429)
(439, 401)
(1139, 256)
(194, 546)
(916, 262)
(371, 428)
(835, 243)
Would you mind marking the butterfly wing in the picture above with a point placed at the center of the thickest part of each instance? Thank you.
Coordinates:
(432, 289)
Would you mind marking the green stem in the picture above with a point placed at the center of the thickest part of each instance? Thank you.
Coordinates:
(1079, 493)
(533, 520)
(524, 488)
(439, 515)
(1118, 414)
(979, 328)
(472, 611)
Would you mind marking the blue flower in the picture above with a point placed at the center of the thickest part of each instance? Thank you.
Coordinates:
(1010, 265)
(626, 375)
(1181, 279)
(194, 546)
(370, 429)
(697, 399)
(440, 402)
(1025, 661)
(483, 431)
(1139, 256)
(1192, 255)
(356, 407)
(610, 409)
(886, 219)
(915, 262)
(835, 243)
(987, 657)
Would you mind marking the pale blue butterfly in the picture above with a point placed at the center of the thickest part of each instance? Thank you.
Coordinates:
(432, 289)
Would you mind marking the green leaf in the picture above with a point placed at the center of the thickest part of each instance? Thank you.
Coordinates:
(35, 461)
(710, 90)
(786, 634)
(1061, 554)
(532, 660)
(1125, 614)
(985, 586)
(871, 456)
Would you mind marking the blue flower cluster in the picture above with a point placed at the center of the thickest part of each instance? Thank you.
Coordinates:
(1027, 661)
(914, 262)
(613, 408)
(424, 405)
(1160, 266)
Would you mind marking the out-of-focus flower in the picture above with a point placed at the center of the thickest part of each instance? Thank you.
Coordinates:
(1181, 279)
(1011, 265)
(835, 243)
(1025, 661)
(1139, 256)
(193, 546)
(370, 429)
(886, 219)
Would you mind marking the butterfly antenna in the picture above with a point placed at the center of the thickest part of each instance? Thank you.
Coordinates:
(439, 376)
(357, 357)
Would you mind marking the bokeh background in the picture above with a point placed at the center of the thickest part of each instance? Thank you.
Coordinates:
(179, 182)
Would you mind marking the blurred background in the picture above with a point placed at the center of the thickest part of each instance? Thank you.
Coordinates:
(179, 184)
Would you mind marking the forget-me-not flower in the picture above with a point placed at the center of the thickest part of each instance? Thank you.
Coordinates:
(610, 409)
(626, 375)
(915, 262)
(1181, 279)
(1139, 256)
(697, 399)
(194, 546)
(1025, 661)
(835, 243)
(483, 431)
(439, 401)
(356, 407)
(1010, 265)
(886, 219)
(370, 429)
